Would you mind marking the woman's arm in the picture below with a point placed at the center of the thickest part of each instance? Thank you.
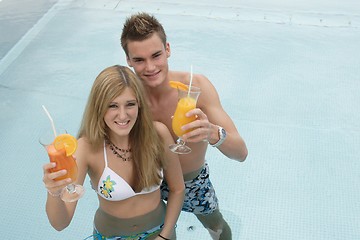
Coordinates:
(59, 212)
(174, 178)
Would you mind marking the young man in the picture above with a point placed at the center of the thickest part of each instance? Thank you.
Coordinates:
(147, 51)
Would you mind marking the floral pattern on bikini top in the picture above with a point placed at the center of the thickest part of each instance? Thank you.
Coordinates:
(108, 187)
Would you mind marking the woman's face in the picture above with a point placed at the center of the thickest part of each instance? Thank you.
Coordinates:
(122, 113)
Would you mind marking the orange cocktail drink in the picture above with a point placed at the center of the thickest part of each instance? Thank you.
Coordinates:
(60, 151)
(184, 105)
(62, 162)
(186, 101)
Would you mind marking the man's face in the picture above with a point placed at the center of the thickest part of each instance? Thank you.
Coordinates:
(148, 58)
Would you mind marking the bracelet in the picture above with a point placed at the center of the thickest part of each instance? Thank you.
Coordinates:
(54, 194)
(164, 237)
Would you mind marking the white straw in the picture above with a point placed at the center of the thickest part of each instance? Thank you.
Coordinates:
(51, 120)
(191, 78)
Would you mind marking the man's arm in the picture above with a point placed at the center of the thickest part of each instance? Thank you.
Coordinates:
(210, 115)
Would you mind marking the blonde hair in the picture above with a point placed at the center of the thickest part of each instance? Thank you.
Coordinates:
(146, 144)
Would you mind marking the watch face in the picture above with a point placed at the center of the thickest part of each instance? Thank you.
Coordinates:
(223, 132)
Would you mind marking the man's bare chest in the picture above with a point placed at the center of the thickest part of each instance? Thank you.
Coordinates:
(163, 113)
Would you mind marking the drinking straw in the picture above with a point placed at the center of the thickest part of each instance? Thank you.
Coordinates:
(51, 120)
(191, 78)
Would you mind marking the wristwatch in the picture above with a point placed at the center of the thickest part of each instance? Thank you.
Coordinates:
(222, 137)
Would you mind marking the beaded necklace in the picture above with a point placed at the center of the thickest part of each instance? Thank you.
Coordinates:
(119, 152)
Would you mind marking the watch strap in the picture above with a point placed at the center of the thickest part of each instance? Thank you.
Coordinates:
(222, 137)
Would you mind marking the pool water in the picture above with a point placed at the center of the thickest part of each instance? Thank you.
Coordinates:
(287, 73)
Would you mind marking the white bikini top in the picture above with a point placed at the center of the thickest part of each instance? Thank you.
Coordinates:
(113, 187)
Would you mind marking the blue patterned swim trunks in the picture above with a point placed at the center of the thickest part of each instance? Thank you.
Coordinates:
(140, 236)
(200, 197)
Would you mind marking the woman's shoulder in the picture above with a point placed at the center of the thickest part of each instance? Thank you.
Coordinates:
(160, 127)
(84, 142)
(85, 147)
(163, 132)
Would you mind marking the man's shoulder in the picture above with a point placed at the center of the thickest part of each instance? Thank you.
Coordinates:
(178, 76)
(184, 77)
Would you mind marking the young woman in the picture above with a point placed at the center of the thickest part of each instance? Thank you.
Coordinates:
(126, 156)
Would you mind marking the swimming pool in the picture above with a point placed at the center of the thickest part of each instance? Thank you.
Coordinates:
(288, 75)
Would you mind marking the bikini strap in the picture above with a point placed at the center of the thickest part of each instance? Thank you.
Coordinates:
(105, 155)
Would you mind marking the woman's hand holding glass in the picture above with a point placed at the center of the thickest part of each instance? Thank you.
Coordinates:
(62, 170)
(53, 186)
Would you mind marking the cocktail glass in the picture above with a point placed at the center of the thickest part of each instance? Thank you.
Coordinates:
(71, 192)
(186, 102)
